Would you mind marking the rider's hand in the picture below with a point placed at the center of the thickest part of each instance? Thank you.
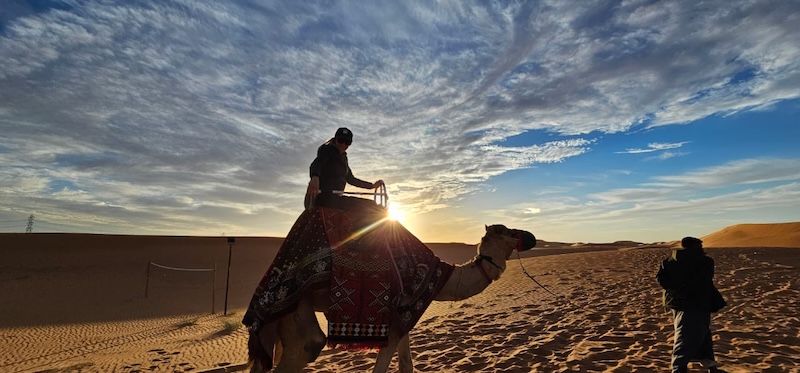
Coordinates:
(313, 187)
(377, 184)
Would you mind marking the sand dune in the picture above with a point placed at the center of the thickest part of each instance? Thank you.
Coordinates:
(755, 235)
(75, 303)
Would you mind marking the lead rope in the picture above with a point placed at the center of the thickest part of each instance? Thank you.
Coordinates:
(559, 297)
(534, 280)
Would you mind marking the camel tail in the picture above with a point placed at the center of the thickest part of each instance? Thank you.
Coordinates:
(258, 359)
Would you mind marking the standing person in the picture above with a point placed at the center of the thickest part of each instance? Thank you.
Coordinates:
(330, 172)
(689, 291)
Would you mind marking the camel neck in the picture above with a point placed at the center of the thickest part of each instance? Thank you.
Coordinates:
(476, 275)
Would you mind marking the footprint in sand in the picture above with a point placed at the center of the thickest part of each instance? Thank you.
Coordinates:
(160, 360)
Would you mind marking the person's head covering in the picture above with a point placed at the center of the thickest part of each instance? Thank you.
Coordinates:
(344, 134)
(691, 243)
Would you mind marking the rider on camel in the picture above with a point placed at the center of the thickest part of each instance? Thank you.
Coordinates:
(330, 172)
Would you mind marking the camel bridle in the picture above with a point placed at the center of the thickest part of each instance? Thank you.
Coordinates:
(479, 262)
(480, 258)
(507, 234)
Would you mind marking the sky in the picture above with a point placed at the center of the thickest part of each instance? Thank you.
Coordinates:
(589, 121)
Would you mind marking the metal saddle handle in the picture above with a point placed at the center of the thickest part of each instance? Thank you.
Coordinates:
(379, 195)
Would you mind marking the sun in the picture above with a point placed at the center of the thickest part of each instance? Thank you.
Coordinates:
(396, 214)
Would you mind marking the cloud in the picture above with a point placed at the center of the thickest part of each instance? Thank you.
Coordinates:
(653, 147)
(666, 155)
(141, 105)
(730, 175)
(747, 171)
(702, 200)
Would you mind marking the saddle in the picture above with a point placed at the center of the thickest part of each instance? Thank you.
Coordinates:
(379, 274)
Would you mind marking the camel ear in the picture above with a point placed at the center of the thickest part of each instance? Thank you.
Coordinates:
(486, 227)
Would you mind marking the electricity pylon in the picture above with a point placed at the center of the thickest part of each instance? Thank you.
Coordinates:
(29, 229)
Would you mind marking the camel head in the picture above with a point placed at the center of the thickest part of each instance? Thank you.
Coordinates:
(496, 247)
(516, 239)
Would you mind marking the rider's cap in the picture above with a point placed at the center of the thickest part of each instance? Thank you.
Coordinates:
(691, 243)
(344, 134)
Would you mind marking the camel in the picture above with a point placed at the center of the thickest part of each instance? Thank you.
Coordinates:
(297, 339)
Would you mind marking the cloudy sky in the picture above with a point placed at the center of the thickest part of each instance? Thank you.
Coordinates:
(588, 121)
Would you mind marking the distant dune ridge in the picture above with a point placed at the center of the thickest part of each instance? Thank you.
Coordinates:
(755, 235)
(92, 303)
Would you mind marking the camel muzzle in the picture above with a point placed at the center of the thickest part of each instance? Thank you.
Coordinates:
(526, 240)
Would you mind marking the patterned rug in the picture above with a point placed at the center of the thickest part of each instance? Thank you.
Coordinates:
(380, 275)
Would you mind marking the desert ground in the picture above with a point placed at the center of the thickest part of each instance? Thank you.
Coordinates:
(76, 303)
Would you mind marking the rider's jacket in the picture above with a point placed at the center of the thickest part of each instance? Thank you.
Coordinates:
(333, 170)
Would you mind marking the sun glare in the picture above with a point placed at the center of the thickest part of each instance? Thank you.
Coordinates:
(396, 213)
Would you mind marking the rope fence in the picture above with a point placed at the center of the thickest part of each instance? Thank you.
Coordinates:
(213, 282)
(183, 269)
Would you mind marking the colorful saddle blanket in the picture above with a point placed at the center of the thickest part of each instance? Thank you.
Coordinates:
(380, 275)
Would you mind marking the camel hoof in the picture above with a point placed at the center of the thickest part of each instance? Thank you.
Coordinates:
(261, 365)
(314, 348)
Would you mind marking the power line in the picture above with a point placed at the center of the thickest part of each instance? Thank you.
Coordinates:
(43, 226)
(41, 222)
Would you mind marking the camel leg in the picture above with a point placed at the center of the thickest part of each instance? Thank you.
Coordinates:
(385, 355)
(268, 342)
(404, 355)
(278, 351)
(301, 338)
(403, 348)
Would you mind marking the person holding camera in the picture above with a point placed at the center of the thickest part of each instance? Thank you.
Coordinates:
(689, 291)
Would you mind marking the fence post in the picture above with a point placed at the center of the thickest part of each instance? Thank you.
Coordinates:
(147, 282)
(214, 290)
(231, 241)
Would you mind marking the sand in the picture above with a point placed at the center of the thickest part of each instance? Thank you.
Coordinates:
(76, 303)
